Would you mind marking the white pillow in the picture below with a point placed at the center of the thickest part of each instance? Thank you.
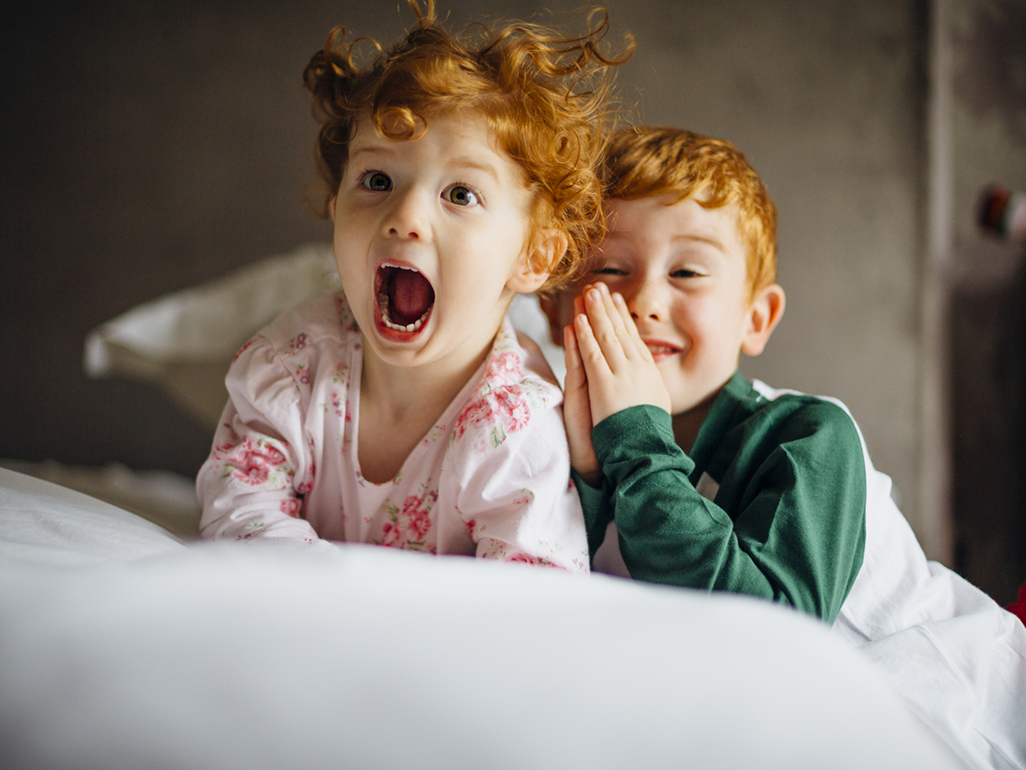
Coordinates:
(43, 524)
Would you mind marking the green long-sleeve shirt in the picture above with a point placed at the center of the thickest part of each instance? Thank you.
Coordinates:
(770, 502)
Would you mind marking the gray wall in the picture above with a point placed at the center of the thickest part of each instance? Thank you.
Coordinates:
(149, 148)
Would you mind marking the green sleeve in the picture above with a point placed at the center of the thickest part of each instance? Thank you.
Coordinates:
(795, 532)
(597, 504)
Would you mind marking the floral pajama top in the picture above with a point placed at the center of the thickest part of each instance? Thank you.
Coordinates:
(491, 478)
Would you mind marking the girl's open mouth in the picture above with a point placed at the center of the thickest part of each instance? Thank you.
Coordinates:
(405, 298)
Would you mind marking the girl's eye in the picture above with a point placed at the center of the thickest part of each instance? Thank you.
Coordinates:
(377, 181)
(610, 270)
(461, 195)
(685, 273)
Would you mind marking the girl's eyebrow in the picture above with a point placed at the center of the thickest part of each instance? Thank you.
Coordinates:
(368, 150)
(480, 165)
(461, 162)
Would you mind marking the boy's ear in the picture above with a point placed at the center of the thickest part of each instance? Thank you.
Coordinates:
(331, 207)
(764, 314)
(530, 274)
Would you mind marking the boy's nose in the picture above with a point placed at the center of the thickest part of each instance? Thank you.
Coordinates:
(644, 301)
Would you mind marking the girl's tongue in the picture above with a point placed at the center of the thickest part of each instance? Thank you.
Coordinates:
(409, 295)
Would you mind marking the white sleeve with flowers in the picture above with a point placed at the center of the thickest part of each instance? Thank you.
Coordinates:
(512, 487)
(252, 482)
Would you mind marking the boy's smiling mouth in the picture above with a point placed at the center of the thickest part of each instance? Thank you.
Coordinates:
(405, 297)
(661, 350)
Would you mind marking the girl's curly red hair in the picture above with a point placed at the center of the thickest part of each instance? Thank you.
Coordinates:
(545, 97)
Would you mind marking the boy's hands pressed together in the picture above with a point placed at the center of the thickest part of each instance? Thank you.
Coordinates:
(619, 367)
(577, 411)
(609, 368)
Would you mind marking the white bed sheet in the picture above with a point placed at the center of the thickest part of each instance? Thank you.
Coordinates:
(120, 646)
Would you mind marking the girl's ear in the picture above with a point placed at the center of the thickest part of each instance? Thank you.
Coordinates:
(331, 207)
(534, 268)
(764, 314)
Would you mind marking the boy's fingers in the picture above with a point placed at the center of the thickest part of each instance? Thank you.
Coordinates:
(613, 310)
(609, 338)
(625, 327)
(627, 331)
(575, 377)
(577, 413)
(630, 345)
(591, 354)
(639, 346)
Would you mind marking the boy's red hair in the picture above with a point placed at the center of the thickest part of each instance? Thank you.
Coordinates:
(544, 96)
(647, 161)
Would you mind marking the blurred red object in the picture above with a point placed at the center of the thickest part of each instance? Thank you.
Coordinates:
(1001, 213)
(1019, 608)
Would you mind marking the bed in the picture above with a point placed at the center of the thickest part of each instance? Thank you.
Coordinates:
(124, 645)
(127, 642)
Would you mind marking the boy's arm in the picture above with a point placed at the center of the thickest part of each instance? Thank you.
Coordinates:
(594, 492)
(798, 527)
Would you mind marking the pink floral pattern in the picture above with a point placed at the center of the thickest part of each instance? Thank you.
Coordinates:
(505, 366)
(242, 350)
(506, 402)
(337, 402)
(526, 558)
(495, 414)
(253, 461)
(297, 343)
(311, 471)
(409, 524)
(497, 549)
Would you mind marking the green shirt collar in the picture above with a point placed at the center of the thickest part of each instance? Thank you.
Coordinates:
(722, 416)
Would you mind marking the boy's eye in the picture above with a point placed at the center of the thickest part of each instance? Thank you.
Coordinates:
(685, 273)
(461, 195)
(377, 181)
(610, 270)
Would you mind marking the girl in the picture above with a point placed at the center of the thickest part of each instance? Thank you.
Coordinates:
(406, 411)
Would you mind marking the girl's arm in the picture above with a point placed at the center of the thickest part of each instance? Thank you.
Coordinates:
(251, 484)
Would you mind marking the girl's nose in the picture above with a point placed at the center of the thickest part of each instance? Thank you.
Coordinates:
(408, 217)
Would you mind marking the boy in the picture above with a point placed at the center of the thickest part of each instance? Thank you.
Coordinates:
(770, 498)
(719, 483)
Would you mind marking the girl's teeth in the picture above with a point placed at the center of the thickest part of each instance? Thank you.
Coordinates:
(383, 306)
